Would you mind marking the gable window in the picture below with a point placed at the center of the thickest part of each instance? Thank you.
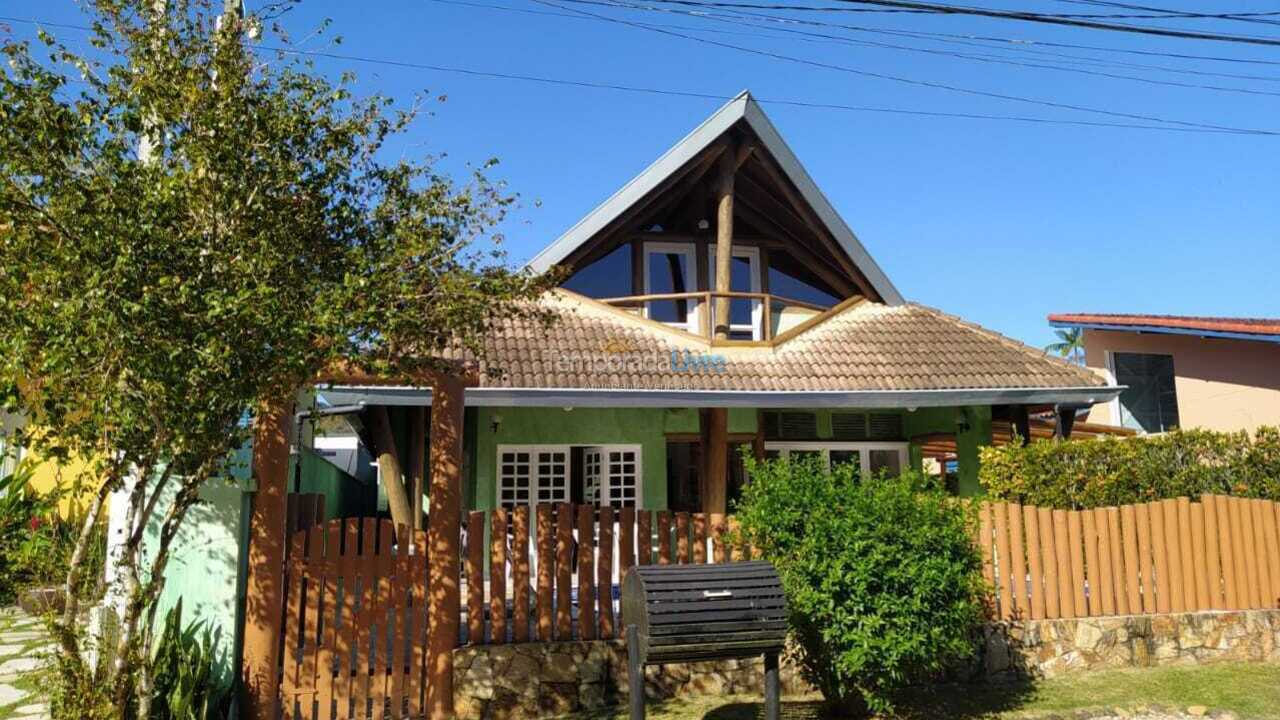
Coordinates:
(1150, 403)
(671, 268)
(592, 474)
(744, 276)
(610, 276)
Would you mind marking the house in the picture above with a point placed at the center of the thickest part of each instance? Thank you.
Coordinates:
(716, 302)
(1192, 372)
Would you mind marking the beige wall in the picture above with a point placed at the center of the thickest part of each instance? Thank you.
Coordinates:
(1221, 384)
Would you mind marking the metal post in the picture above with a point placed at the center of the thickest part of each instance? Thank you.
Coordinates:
(771, 690)
(635, 673)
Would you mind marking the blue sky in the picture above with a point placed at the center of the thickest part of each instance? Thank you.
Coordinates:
(999, 222)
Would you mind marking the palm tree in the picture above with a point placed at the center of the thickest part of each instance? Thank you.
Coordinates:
(1070, 345)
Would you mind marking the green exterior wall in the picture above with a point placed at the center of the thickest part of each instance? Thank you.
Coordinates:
(975, 432)
(646, 427)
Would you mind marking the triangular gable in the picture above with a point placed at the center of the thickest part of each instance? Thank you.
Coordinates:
(742, 108)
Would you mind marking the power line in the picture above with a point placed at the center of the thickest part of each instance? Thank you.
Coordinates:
(739, 6)
(912, 81)
(1071, 22)
(565, 82)
(1250, 17)
(984, 42)
(930, 51)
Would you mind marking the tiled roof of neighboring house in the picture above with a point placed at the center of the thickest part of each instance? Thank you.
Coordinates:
(863, 346)
(1264, 328)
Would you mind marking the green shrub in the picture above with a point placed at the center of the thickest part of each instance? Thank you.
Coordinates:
(188, 681)
(1117, 471)
(882, 578)
(36, 542)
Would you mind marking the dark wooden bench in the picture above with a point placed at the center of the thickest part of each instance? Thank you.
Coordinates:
(689, 613)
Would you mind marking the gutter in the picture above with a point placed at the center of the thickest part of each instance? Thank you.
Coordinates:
(586, 397)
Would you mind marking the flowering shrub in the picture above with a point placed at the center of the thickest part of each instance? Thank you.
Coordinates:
(1117, 471)
(35, 543)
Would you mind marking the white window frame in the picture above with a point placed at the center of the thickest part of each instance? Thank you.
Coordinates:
(752, 254)
(535, 481)
(603, 487)
(691, 323)
(863, 449)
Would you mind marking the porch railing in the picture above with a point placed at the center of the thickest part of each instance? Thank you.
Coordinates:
(769, 304)
(553, 572)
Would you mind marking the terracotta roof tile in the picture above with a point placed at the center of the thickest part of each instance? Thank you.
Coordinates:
(865, 346)
(1248, 326)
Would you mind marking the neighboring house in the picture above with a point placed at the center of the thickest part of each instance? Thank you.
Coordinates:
(1190, 372)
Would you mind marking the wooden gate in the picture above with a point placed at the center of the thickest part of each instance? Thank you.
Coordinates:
(355, 629)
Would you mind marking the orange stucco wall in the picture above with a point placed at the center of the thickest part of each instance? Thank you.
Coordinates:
(1221, 384)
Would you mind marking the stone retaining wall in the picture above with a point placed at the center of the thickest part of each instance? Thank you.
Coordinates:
(540, 680)
(1045, 648)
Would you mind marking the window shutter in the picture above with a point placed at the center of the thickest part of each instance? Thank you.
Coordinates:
(798, 426)
(849, 426)
(885, 426)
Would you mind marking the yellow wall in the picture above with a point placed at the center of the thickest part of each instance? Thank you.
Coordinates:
(50, 474)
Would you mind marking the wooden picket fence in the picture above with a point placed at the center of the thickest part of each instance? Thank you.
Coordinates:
(553, 572)
(355, 628)
(1221, 553)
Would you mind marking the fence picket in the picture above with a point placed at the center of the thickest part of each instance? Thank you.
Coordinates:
(1076, 555)
(1185, 552)
(329, 612)
(1106, 573)
(1271, 533)
(1049, 559)
(1017, 563)
(1000, 512)
(1116, 542)
(400, 590)
(418, 655)
(378, 683)
(520, 574)
(348, 565)
(1031, 519)
(604, 574)
(314, 576)
(475, 578)
(1132, 566)
(498, 577)
(1259, 548)
(1159, 559)
(546, 571)
(985, 525)
(719, 548)
(682, 538)
(1215, 569)
(644, 538)
(1199, 561)
(1242, 540)
(564, 571)
(1093, 565)
(699, 538)
(626, 541)
(586, 573)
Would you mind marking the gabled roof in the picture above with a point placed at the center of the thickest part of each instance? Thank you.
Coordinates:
(742, 108)
(1260, 329)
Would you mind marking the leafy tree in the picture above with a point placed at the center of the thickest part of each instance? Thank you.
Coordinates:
(190, 229)
(1070, 345)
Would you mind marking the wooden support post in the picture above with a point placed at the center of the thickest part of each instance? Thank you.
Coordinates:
(390, 469)
(417, 463)
(264, 593)
(724, 242)
(1066, 420)
(443, 528)
(1022, 423)
(716, 461)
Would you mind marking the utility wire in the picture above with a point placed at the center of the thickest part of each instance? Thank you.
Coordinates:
(1250, 17)
(1016, 41)
(990, 59)
(913, 81)
(565, 82)
(1071, 22)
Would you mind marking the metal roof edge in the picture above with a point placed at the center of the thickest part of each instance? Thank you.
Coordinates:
(1164, 330)
(585, 397)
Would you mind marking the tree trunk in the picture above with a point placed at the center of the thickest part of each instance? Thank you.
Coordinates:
(389, 467)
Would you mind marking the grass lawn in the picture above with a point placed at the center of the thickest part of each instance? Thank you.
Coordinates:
(1251, 691)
